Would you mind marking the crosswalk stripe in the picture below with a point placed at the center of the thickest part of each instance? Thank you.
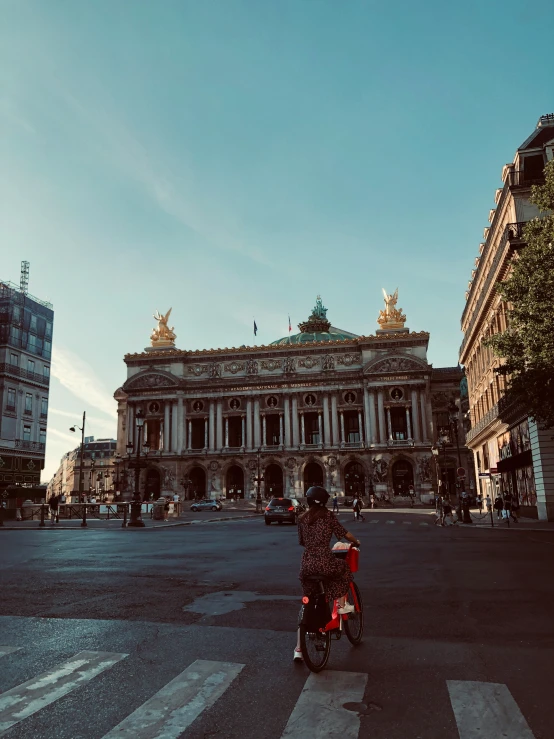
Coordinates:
(8, 650)
(424, 524)
(390, 522)
(374, 520)
(486, 710)
(319, 711)
(173, 708)
(408, 523)
(28, 698)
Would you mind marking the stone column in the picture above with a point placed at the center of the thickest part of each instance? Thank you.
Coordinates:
(372, 419)
(295, 432)
(381, 408)
(367, 419)
(211, 427)
(174, 427)
(326, 422)
(415, 417)
(130, 423)
(281, 440)
(264, 430)
(424, 424)
(408, 423)
(342, 434)
(219, 426)
(189, 435)
(389, 424)
(206, 432)
(320, 427)
(249, 434)
(226, 432)
(288, 440)
(303, 429)
(181, 425)
(335, 420)
(360, 426)
(243, 432)
(167, 410)
(257, 434)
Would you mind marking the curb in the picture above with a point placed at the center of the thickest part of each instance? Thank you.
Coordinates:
(117, 528)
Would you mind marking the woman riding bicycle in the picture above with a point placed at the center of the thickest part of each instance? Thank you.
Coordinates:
(315, 529)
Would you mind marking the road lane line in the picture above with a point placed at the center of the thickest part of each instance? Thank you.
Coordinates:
(29, 697)
(319, 711)
(174, 708)
(486, 710)
(8, 650)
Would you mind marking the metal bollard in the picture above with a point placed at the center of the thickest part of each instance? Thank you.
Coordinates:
(42, 507)
(492, 519)
(124, 517)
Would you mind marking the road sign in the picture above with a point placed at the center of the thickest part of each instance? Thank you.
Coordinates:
(461, 472)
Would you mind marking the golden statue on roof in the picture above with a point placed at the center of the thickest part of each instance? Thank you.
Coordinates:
(163, 335)
(391, 317)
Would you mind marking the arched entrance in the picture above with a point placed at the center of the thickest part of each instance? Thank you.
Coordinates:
(313, 475)
(273, 476)
(354, 483)
(197, 477)
(152, 488)
(402, 477)
(234, 482)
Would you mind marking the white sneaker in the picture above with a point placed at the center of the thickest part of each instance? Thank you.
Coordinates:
(298, 655)
(347, 608)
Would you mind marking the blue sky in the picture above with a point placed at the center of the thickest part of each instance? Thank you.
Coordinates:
(235, 158)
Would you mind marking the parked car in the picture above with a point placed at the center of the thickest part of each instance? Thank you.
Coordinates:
(206, 505)
(283, 509)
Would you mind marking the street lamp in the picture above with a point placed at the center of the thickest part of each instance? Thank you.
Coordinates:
(453, 416)
(136, 503)
(259, 479)
(81, 470)
(186, 482)
(117, 462)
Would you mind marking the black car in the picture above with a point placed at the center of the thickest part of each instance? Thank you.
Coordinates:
(283, 509)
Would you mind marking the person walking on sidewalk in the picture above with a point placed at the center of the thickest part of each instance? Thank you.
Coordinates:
(357, 506)
(480, 503)
(488, 503)
(335, 503)
(498, 506)
(54, 503)
(509, 505)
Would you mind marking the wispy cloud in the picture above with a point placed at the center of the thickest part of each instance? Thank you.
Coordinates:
(79, 378)
(73, 441)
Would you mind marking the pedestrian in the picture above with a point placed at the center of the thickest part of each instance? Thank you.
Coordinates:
(488, 503)
(335, 503)
(166, 509)
(447, 512)
(358, 509)
(439, 510)
(515, 508)
(480, 503)
(372, 500)
(498, 506)
(54, 502)
(508, 505)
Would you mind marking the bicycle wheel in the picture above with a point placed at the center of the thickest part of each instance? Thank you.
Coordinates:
(354, 624)
(316, 648)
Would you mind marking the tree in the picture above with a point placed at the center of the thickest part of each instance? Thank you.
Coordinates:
(527, 346)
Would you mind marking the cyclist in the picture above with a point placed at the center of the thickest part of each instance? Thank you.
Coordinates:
(315, 529)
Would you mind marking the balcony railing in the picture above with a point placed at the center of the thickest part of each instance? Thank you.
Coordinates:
(11, 408)
(12, 369)
(520, 178)
(512, 232)
(35, 446)
(502, 408)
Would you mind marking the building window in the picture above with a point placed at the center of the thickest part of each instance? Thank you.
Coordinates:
(44, 407)
(48, 333)
(14, 360)
(11, 399)
(46, 372)
(28, 402)
(30, 366)
(33, 323)
(26, 433)
(42, 436)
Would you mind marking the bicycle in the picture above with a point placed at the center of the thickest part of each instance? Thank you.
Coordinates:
(315, 639)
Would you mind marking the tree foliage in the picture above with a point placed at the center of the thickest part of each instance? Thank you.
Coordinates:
(527, 346)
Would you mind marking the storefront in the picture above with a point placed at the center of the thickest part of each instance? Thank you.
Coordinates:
(515, 465)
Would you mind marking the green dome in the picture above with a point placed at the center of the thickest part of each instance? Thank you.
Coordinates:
(316, 328)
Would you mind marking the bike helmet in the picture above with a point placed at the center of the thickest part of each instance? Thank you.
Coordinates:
(317, 496)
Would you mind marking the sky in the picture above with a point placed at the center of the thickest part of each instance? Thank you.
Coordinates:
(233, 159)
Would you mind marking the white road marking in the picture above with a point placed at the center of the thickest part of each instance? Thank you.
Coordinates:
(485, 710)
(28, 698)
(424, 524)
(319, 711)
(173, 708)
(407, 523)
(390, 521)
(8, 650)
(374, 520)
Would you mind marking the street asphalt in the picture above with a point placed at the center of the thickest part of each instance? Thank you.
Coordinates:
(448, 612)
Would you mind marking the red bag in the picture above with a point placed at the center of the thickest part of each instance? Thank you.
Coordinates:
(352, 559)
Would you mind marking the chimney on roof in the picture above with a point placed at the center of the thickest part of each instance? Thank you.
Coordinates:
(546, 120)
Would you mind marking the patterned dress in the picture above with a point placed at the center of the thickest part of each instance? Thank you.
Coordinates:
(317, 558)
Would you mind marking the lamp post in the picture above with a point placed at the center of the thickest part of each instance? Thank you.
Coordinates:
(259, 479)
(454, 415)
(186, 483)
(81, 470)
(117, 462)
(136, 503)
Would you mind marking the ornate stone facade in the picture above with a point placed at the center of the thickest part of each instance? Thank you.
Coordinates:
(354, 414)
